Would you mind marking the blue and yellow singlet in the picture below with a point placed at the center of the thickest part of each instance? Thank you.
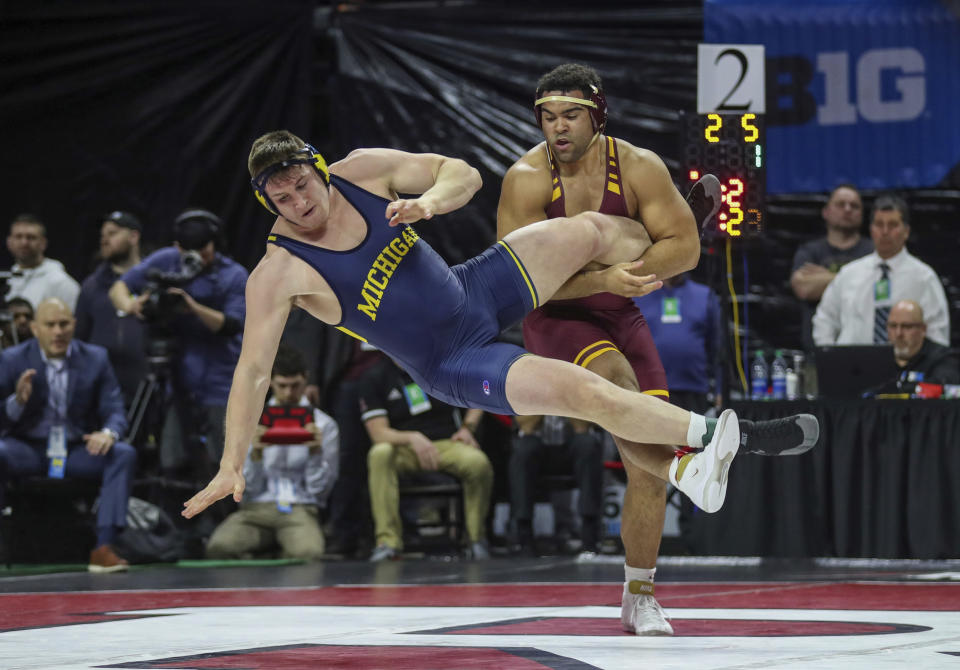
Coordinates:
(440, 323)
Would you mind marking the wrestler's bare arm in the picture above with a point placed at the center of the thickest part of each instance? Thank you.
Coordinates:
(269, 297)
(524, 195)
(444, 184)
(663, 211)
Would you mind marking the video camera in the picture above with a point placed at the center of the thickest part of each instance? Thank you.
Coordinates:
(161, 306)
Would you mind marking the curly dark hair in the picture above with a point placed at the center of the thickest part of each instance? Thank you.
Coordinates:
(569, 77)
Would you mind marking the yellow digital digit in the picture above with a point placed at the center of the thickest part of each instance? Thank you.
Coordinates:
(710, 131)
(734, 191)
(752, 132)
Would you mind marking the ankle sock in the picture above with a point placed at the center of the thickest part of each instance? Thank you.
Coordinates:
(700, 431)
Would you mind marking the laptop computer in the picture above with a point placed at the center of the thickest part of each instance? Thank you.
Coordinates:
(847, 371)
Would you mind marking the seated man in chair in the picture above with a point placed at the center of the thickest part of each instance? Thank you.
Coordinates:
(412, 431)
(63, 414)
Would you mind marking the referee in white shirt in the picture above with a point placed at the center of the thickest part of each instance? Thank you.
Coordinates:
(856, 304)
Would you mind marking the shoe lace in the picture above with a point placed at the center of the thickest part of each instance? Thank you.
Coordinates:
(648, 605)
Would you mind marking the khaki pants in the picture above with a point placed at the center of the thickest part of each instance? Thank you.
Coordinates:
(386, 462)
(257, 526)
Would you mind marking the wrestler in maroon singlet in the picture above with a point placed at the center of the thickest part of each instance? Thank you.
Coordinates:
(581, 329)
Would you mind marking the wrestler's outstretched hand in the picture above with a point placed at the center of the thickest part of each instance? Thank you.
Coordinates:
(624, 279)
(223, 484)
(409, 211)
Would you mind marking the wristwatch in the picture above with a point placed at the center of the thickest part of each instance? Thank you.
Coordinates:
(112, 433)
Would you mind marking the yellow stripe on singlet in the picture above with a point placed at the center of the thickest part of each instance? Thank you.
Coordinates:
(271, 238)
(613, 187)
(523, 273)
(583, 352)
(610, 146)
(660, 392)
(588, 359)
(350, 333)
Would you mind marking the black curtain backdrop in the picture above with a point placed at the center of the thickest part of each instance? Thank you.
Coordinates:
(146, 106)
(460, 80)
(880, 483)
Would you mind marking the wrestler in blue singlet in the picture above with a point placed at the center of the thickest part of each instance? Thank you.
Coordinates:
(440, 323)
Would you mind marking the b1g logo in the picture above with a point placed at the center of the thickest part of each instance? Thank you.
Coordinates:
(883, 85)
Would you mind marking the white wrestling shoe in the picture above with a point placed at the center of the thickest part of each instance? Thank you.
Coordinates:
(640, 613)
(704, 479)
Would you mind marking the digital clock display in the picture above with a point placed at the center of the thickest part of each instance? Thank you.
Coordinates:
(732, 147)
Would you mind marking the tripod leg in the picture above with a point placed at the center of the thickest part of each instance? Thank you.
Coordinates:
(139, 407)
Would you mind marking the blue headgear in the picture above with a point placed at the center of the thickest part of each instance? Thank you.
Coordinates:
(310, 157)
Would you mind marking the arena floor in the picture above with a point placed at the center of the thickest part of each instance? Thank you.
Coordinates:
(507, 614)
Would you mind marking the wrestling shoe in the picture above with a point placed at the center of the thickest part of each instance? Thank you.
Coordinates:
(705, 199)
(789, 436)
(702, 476)
(640, 612)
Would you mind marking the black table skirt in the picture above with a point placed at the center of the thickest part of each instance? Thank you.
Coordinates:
(883, 481)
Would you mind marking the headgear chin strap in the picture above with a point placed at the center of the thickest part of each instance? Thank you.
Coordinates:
(310, 157)
(596, 105)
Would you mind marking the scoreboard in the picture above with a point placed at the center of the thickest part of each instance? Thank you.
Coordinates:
(732, 147)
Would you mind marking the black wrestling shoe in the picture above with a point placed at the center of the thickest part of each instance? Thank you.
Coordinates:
(705, 199)
(779, 437)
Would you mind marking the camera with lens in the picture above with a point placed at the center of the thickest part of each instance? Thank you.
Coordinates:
(161, 306)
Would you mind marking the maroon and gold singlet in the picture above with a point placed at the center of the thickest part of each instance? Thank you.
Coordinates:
(581, 329)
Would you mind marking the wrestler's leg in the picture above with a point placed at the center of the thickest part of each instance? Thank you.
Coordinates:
(645, 500)
(538, 385)
(553, 250)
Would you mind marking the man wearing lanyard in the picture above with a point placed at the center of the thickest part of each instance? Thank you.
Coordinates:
(63, 415)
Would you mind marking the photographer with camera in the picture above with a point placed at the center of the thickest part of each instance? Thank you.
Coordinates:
(192, 300)
(98, 321)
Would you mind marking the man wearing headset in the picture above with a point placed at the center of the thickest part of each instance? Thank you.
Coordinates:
(192, 297)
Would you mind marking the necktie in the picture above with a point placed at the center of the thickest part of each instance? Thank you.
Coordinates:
(58, 391)
(880, 314)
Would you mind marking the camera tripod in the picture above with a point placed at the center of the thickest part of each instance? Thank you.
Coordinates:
(149, 405)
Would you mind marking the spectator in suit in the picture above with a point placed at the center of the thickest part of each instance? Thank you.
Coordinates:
(63, 414)
(856, 304)
(918, 358)
(817, 262)
(98, 321)
(17, 329)
(412, 431)
(36, 277)
(287, 484)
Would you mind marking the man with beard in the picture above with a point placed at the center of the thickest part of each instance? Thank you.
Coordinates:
(98, 321)
(36, 277)
(817, 262)
(591, 320)
(918, 358)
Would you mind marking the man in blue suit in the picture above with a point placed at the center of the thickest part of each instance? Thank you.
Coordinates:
(63, 414)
